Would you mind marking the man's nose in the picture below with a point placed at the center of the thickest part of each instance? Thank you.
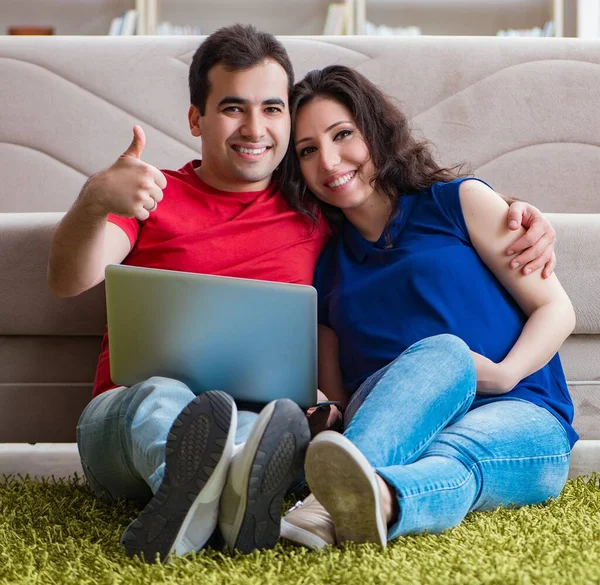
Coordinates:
(253, 127)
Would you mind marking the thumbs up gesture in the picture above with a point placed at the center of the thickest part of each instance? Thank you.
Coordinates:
(130, 187)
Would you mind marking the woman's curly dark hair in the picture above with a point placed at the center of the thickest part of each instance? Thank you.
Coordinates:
(403, 164)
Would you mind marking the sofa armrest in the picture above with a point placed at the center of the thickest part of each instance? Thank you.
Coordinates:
(578, 267)
(28, 307)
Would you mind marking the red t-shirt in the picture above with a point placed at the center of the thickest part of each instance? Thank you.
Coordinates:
(199, 229)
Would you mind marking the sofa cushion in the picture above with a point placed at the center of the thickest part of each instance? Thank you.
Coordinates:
(28, 307)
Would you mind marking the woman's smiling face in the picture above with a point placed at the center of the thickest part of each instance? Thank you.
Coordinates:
(334, 157)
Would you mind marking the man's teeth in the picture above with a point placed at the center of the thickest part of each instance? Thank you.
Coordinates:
(342, 180)
(251, 150)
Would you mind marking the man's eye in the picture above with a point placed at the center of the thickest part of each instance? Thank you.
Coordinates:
(273, 110)
(306, 151)
(232, 109)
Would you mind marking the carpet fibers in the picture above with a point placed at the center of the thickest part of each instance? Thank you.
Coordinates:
(55, 532)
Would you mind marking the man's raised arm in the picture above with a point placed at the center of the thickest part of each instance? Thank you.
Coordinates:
(84, 242)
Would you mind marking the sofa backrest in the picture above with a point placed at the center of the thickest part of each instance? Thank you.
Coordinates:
(522, 112)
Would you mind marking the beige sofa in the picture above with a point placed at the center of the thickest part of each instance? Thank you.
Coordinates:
(523, 112)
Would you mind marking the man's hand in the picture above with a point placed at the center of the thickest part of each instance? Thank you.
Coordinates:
(536, 247)
(130, 187)
(492, 378)
(325, 418)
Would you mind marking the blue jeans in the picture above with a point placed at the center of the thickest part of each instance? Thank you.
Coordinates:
(446, 451)
(122, 433)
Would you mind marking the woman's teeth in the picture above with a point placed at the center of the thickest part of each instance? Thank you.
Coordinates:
(342, 180)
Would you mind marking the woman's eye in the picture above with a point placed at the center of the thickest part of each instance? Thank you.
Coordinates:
(343, 134)
(306, 151)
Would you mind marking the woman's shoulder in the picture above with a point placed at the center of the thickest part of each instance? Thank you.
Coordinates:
(453, 187)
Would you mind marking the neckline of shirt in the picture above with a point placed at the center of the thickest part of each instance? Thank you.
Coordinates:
(190, 169)
(360, 247)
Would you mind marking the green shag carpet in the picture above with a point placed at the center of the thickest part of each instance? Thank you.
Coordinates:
(57, 532)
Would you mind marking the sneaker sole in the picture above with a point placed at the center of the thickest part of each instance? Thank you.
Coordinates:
(344, 482)
(278, 459)
(195, 446)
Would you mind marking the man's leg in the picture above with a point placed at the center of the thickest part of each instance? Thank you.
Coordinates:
(121, 437)
(269, 452)
(261, 473)
(156, 437)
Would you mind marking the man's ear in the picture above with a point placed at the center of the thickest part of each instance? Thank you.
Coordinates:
(194, 120)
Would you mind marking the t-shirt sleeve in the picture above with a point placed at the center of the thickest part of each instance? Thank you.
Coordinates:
(129, 225)
(447, 198)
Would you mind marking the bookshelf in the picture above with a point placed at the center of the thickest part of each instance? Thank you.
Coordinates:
(467, 17)
(433, 17)
(281, 17)
(307, 17)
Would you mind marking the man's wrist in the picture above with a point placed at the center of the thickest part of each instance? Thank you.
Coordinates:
(90, 197)
(510, 200)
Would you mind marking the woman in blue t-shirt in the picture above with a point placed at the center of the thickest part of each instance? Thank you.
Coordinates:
(442, 355)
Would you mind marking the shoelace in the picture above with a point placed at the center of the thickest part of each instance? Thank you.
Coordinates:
(297, 505)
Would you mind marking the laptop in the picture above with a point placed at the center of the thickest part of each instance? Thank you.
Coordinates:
(254, 339)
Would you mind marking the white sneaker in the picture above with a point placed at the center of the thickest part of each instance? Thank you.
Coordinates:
(309, 524)
(183, 513)
(260, 475)
(342, 479)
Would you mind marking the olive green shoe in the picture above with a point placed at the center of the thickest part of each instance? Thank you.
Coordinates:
(308, 524)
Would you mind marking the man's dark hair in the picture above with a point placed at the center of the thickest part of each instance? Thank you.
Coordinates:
(236, 48)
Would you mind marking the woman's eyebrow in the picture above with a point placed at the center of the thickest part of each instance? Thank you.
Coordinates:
(326, 130)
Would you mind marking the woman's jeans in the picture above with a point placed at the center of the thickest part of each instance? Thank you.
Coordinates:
(122, 435)
(446, 451)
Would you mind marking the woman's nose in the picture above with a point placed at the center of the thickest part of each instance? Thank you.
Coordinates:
(330, 159)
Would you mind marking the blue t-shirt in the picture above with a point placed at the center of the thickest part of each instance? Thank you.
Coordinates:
(422, 278)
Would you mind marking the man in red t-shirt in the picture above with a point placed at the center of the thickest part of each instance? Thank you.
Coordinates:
(195, 461)
(156, 442)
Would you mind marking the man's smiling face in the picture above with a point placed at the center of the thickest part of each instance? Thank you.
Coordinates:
(246, 126)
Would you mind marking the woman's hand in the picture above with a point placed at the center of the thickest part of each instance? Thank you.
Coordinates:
(492, 378)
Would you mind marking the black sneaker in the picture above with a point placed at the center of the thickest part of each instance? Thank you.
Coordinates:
(183, 513)
(259, 476)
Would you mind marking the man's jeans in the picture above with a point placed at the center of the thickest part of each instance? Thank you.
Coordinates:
(122, 435)
(446, 451)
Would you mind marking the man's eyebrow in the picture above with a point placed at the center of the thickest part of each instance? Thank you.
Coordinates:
(274, 101)
(326, 130)
(234, 99)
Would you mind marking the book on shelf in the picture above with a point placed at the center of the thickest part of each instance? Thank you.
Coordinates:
(336, 22)
(125, 24)
(549, 30)
(383, 30)
(128, 23)
(166, 28)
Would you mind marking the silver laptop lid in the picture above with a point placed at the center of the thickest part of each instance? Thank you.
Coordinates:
(256, 340)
